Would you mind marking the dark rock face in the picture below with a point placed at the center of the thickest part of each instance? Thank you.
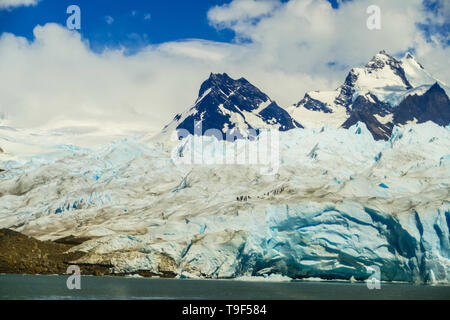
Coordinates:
(364, 111)
(313, 104)
(274, 114)
(434, 106)
(347, 90)
(222, 98)
(234, 92)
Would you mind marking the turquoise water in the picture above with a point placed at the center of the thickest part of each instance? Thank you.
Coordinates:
(54, 287)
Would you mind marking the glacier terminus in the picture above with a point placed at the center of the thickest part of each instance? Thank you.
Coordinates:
(362, 179)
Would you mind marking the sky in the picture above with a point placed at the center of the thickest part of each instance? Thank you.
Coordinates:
(134, 64)
(132, 23)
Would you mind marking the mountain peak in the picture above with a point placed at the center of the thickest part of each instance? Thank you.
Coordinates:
(436, 88)
(226, 105)
(219, 76)
(411, 59)
(381, 59)
(382, 71)
(222, 83)
(383, 93)
(408, 55)
(383, 54)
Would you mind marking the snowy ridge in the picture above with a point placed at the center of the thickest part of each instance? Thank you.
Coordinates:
(372, 92)
(340, 202)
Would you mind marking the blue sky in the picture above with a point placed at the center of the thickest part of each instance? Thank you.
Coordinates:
(134, 24)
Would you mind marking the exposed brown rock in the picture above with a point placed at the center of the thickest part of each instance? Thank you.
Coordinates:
(22, 254)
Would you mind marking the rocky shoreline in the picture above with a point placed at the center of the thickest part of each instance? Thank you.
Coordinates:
(21, 254)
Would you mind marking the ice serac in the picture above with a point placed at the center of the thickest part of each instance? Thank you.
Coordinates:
(233, 106)
(386, 92)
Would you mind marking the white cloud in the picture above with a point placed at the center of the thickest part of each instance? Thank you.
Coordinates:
(240, 11)
(56, 80)
(8, 4)
(109, 19)
(313, 30)
(197, 49)
(443, 11)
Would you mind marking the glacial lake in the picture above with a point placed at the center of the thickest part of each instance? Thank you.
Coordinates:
(18, 287)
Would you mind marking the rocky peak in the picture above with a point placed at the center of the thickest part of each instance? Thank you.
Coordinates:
(410, 57)
(228, 105)
(222, 87)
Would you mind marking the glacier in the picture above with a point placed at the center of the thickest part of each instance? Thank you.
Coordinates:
(339, 203)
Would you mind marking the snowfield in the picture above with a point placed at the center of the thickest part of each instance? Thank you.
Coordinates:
(339, 203)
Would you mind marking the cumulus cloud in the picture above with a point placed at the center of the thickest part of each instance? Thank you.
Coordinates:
(56, 80)
(240, 11)
(8, 4)
(309, 29)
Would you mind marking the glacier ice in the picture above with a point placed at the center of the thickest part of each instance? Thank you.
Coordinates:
(339, 203)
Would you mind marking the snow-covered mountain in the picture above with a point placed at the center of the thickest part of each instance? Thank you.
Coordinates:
(231, 106)
(384, 93)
